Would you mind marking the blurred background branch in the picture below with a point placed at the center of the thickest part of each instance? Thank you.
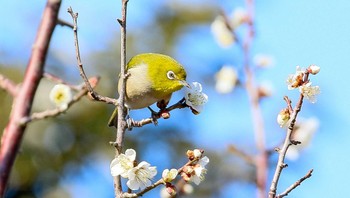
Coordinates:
(13, 133)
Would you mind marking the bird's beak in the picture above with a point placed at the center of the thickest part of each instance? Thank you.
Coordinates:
(185, 84)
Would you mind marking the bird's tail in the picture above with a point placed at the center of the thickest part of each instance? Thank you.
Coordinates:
(113, 120)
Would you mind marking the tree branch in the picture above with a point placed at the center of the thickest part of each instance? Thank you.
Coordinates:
(253, 94)
(8, 85)
(58, 80)
(93, 94)
(282, 152)
(179, 105)
(296, 184)
(58, 111)
(289, 104)
(121, 126)
(246, 157)
(13, 133)
(64, 23)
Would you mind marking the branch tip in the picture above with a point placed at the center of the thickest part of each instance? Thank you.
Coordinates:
(121, 23)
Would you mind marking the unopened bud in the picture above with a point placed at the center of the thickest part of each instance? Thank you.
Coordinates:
(313, 69)
(171, 189)
(165, 115)
(186, 177)
(283, 117)
(197, 153)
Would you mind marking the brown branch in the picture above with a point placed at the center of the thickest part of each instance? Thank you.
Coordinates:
(253, 94)
(93, 94)
(289, 104)
(64, 23)
(246, 157)
(296, 184)
(8, 85)
(122, 111)
(58, 111)
(148, 188)
(58, 80)
(179, 105)
(282, 152)
(13, 133)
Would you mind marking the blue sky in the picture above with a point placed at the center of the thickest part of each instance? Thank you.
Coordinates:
(293, 32)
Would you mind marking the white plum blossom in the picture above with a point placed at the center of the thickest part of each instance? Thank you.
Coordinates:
(310, 92)
(169, 175)
(122, 164)
(199, 170)
(304, 132)
(314, 69)
(195, 98)
(140, 176)
(295, 80)
(226, 79)
(263, 61)
(61, 95)
(222, 34)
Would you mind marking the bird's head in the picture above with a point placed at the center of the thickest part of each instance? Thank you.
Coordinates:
(165, 73)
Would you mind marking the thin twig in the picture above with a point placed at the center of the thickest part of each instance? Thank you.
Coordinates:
(93, 94)
(289, 104)
(8, 85)
(246, 157)
(283, 151)
(58, 111)
(13, 133)
(296, 184)
(64, 23)
(58, 80)
(179, 105)
(121, 126)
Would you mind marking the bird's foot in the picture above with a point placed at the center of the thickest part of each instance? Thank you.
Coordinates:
(154, 116)
(129, 123)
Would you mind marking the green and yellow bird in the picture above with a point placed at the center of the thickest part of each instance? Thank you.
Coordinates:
(151, 78)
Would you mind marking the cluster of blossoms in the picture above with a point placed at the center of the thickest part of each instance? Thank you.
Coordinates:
(192, 172)
(195, 98)
(139, 175)
(195, 172)
(61, 95)
(300, 80)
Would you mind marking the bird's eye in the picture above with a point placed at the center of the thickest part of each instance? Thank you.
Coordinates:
(170, 75)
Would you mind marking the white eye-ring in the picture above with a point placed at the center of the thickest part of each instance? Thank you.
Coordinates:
(170, 75)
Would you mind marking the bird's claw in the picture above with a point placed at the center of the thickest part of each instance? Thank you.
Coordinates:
(154, 116)
(129, 123)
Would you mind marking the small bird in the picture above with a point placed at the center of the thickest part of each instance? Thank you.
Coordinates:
(151, 78)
